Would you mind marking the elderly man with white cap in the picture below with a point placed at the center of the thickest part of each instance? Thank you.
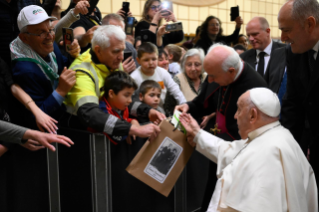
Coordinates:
(264, 171)
(38, 65)
(40, 69)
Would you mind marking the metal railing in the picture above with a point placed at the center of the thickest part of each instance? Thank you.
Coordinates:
(101, 177)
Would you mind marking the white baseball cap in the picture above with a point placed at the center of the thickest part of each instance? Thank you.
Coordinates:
(31, 15)
(266, 101)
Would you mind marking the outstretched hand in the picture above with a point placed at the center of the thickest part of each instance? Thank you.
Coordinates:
(39, 140)
(46, 122)
(191, 126)
(156, 116)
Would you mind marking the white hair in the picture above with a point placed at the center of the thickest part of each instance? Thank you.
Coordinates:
(232, 61)
(103, 34)
(193, 52)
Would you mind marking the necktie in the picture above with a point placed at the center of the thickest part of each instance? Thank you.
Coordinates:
(282, 89)
(311, 60)
(261, 63)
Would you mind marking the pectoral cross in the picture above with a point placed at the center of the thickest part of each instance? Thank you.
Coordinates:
(215, 130)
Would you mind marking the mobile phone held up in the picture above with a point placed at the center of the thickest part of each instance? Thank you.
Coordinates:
(177, 26)
(129, 25)
(234, 13)
(126, 7)
(127, 54)
(167, 8)
(67, 38)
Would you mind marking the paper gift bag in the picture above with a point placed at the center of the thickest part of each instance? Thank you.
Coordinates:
(159, 163)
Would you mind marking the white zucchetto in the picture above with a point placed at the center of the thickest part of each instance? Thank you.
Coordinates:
(266, 101)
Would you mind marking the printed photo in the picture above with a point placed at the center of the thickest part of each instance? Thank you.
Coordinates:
(163, 160)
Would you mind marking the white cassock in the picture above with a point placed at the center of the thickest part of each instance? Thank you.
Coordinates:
(267, 173)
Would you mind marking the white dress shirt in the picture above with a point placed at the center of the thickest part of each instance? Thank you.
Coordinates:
(267, 50)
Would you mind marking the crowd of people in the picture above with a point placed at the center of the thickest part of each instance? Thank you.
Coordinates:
(251, 112)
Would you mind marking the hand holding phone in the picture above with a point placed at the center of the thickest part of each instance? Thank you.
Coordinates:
(126, 7)
(67, 38)
(234, 13)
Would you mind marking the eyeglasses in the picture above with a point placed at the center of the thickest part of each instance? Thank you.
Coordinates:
(153, 7)
(217, 25)
(43, 35)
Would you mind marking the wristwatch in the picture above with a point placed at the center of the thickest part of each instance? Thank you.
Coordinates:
(154, 24)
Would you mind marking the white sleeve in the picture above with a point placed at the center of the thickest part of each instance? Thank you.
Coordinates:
(173, 88)
(208, 145)
(136, 75)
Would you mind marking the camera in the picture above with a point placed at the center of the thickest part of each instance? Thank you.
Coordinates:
(177, 26)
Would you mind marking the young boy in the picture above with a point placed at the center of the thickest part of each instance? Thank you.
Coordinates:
(175, 53)
(150, 94)
(118, 90)
(147, 56)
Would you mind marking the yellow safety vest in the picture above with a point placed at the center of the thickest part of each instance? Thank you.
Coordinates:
(90, 79)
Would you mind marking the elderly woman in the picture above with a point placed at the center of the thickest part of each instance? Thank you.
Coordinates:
(190, 79)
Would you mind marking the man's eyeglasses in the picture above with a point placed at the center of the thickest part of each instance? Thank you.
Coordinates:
(43, 35)
(153, 7)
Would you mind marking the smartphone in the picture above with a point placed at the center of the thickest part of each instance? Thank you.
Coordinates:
(177, 26)
(129, 25)
(234, 13)
(167, 8)
(67, 38)
(127, 54)
(126, 7)
(93, 4)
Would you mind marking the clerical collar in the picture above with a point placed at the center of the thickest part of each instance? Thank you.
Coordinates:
(316, 49)
(241, 67)
(257, 132)
(267, 50)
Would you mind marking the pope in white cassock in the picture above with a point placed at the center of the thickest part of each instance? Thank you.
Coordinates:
(266, 171)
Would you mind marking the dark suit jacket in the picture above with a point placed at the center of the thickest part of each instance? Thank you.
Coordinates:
(302, 100)
(250, 55)
(206, 102)
(276, 69)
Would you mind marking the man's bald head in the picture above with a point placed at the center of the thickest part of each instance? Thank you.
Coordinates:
(258, 33)
(222, 64)
(298, 21)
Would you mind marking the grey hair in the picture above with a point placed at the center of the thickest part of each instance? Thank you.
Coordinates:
(103, 34)
(232, 61)
(302, 9)
(193, 52)
(112, 16)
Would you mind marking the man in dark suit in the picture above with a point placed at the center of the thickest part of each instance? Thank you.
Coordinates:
(275, 73)
(299, 25)
(258, 33)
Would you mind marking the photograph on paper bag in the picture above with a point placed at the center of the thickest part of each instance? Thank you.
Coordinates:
(163, 160)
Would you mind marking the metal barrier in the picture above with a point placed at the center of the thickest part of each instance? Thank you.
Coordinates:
(98, 150)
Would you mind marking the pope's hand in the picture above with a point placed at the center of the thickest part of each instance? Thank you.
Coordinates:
(191, 126)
